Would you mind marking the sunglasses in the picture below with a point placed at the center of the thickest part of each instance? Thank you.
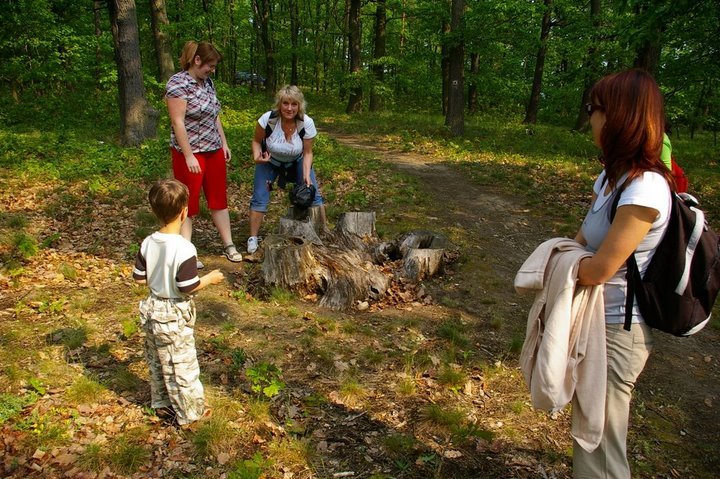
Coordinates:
(591, 108)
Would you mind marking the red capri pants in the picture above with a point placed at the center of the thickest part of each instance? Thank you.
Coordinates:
(212, 179)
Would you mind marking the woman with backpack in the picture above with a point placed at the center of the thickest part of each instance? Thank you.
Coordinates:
(282, 147)
(627, 121)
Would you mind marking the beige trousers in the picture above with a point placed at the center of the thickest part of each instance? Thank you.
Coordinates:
(170, 353)
(627, 352)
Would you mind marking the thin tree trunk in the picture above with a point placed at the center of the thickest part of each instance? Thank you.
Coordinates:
(159, 21)
(379, 52)
(354, 39)
(138, 121)
(455, 118)
(472, 87)
(534, 103)
(445, 69)
(263, 14)
(97, 7)
(294, 27)
(590, 68)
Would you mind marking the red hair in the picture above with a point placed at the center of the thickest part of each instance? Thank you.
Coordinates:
(632, 137)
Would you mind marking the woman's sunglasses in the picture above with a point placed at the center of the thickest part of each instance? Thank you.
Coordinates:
(591, 108)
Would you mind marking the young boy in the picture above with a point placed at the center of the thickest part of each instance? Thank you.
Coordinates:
(166, 262)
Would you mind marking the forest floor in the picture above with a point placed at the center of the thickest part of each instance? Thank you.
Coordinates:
(402, 390)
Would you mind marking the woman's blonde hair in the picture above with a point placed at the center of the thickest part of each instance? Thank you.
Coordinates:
(294, 93)
(205, 50)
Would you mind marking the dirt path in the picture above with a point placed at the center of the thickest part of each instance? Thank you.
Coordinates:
(676, 401)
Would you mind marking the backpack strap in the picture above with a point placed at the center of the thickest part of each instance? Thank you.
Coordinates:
(273, 120)
(632, 275)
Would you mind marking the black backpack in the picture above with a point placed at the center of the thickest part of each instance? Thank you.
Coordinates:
(682, 280)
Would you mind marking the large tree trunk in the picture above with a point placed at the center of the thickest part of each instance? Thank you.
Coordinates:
(159, 20)
(378, 54)
(590, 68)
(455, 118)
(647, 52)
(354, 38)
(534, 103)
(138, 121)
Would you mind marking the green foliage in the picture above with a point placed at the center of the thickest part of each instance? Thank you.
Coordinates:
(11, 404)
(127, 452)
(265, 378)
(25, 245)
(84, 390)
(252, 468)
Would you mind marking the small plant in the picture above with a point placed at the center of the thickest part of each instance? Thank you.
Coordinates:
(454, 332)
(127, 454)
(252, 468)
(447, 417)
(129, 327)
(84, 390)
(46, 430)
(92, 458)
(516, 345)
(68, 271)
(399, 444)
(452, 377)
(406, 386)
(25, 245)
(281, 296)
(351, 390)
(37, 385)
(265, 378)
(10, 404)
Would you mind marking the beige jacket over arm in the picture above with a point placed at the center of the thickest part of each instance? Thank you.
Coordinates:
(564, 351)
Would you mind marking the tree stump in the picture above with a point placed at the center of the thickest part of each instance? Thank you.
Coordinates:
(357, 223)
(289, 262)
(350, 265)
(422, 253)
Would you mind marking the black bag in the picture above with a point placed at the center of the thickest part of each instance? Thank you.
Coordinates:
(302, 195)
(681, 283)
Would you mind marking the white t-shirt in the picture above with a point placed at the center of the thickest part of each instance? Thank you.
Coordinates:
(168, 262)
(280, 148)
(650, 190)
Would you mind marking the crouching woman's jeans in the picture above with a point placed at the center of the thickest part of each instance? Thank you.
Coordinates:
(265, 176)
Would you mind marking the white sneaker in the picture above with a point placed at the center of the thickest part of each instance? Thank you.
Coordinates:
(199, 264)
(252, 244)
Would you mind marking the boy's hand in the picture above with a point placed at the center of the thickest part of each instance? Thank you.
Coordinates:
(215, 276)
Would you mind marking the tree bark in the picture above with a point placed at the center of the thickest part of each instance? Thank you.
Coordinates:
(160, 22)
(354, 39)
(445, 69)
(294, 32)
(378, 54)
(472, 87)
(263, 14)
(138, 121)
(534, 103)
(455, 118)
(590, 67)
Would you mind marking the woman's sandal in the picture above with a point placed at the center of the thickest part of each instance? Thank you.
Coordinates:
(232, 254)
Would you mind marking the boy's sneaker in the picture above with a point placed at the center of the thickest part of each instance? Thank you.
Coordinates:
(199, 264)
(252, 244)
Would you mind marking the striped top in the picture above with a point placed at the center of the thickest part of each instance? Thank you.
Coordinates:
(168, 262)
(201, 112)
